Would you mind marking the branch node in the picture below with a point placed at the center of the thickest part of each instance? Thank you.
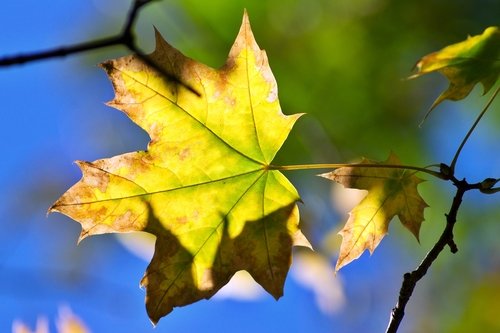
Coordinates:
(446, 171)
(453, 246)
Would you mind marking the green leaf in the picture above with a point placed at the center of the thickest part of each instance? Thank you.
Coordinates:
(391, 191)
(477, 59)
(203, 186)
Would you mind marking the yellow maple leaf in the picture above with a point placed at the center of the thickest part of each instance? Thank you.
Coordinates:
(391, 192)
(477, 59)
(204, 186)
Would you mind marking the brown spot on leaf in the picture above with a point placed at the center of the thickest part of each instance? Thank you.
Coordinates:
(184, 153)
(182, 219)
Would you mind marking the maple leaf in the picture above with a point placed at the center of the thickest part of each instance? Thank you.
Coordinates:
(391, 192)
(477, 59)
(204, 186)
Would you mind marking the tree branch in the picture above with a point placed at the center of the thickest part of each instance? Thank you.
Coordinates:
(410, 279)
(126, 38)
(60, 52)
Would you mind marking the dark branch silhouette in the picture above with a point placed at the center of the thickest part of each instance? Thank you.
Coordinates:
(126, 38)
(410, 279)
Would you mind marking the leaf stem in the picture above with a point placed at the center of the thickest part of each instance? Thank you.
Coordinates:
(352, 165)
(455, 158)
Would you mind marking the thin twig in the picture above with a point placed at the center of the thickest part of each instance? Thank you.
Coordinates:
(353, 165)
(410, 279)
(126, 38)
(462, 144)
(60, 51)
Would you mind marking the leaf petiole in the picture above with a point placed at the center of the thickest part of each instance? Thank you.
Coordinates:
(462, 144)
(352, 165)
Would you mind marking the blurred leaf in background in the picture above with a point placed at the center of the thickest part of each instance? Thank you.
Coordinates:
(67, 322)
